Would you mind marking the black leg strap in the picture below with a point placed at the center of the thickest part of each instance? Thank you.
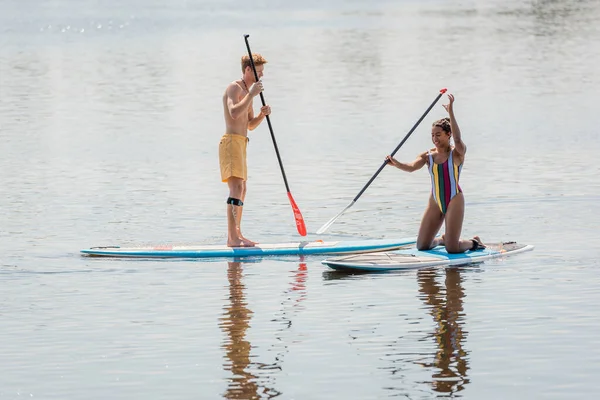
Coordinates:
(235, 202)
(475, 245)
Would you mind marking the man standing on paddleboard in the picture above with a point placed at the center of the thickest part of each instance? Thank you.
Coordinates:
(239, 117)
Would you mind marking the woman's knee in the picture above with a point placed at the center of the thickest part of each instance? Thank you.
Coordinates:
(452, 243)
(453, 248)
(424, 245)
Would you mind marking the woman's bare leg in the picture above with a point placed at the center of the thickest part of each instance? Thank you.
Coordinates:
(430, 225)
(454, 221)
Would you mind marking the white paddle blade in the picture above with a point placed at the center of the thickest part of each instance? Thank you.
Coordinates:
(332, 220)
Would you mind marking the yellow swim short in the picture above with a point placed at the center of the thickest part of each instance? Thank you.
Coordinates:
(232, 156)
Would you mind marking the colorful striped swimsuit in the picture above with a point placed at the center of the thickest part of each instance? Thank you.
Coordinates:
(444, 181)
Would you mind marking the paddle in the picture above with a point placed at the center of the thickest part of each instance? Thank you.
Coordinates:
(297, 215)
(332, 220)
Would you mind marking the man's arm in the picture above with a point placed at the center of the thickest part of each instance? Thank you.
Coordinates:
(237, 108)
(254, 122)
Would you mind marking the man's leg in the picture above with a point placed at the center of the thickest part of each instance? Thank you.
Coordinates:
(234, 213)
(239, 215)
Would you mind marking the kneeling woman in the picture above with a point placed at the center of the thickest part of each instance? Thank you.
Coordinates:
(446, 203)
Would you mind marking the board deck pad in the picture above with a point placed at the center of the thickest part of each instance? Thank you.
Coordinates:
(413, 258)
(274, 249)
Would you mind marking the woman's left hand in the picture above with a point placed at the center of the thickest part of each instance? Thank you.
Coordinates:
(448, 106)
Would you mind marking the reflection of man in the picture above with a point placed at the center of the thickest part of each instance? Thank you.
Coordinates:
(235, 322)
(447, 312)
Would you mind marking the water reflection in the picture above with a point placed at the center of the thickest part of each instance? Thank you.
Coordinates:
(248, 380)
(444, 303)
(291, 304)
(446, 307)
(298, 285)
(235, 323)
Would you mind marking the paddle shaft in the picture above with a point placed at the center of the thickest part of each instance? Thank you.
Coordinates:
(332, 220)
(297, 214)
(399, 145)
(262, 99)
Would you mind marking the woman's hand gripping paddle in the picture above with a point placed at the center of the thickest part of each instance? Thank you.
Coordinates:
(332, 220)
(297, 214)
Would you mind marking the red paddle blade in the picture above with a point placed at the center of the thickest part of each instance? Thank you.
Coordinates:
(298, 216)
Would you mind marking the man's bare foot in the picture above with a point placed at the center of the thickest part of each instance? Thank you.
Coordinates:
(240, 243)
(244, 238)
(248, 243)
(248, 240)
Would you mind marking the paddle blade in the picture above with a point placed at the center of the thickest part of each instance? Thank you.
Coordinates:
(332, 220)
(298, 216)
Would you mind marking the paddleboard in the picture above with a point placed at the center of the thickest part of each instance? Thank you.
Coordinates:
(413, 258)
(279, 249)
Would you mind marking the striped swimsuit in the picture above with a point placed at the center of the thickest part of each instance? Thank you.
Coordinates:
(444, 181)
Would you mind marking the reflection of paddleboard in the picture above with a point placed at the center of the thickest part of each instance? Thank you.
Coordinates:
(413, 258)
(207, 251)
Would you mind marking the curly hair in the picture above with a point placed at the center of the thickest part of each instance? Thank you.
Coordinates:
(257, 58)
(443, 123)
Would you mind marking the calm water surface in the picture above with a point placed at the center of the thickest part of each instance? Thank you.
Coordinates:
(110, 116)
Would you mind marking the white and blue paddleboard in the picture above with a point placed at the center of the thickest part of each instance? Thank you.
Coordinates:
(280, 249)
(413, 258)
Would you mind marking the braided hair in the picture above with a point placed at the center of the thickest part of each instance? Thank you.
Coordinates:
(443, 123)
